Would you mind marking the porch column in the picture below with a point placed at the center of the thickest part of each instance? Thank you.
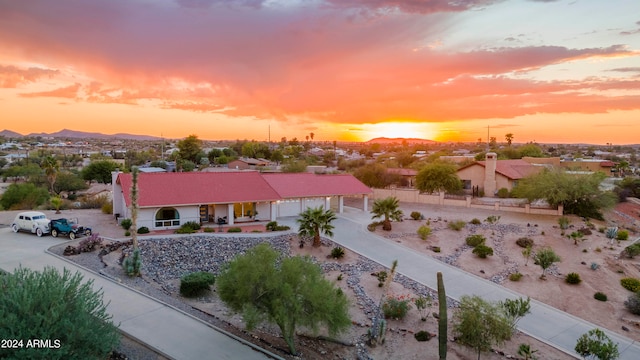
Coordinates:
(327, 203)
(340, 204)
(230, 214)
(302, 207)
(365, 201)
(274, 209)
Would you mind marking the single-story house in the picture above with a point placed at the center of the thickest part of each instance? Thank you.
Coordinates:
(493, 174)
(168, 200)
(247, 163)
(408, 175)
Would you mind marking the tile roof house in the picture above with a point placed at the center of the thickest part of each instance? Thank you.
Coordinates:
(493, 174)
(168, 200)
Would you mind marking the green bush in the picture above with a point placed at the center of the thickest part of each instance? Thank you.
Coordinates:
(632, 250)
(515, 276)
(208, 230)
(475, 240)
(23, 196)
(475, 221)
(143, 230)
(622, 235)
(416, 215)
(483, 251)
(424, 231)
(337, 252)
(196, 283)
(524, 242)
(107, 208)
(456, 225)
(564, 222)
(435, 249)
(492, 219)
(573, 278)
(55, 305)
(600, 296)
(282, 228)
(503, 193)
(188, 228)
(234, 230)
(631, 284)
(127, 233)
(126, 223)
(271, 226)
(395, 308)
(372, 226)
(422, 336)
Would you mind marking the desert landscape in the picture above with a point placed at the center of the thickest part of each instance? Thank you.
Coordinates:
(166, 258)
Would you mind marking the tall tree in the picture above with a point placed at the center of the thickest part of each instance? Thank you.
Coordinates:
(99, 171)
(190, 148)
(388, 209)
(289, 292)
(595, 344)
(578, 194)
(438, 177)
(315, 222)
(51, 168)
(509, 138)
(480, 324)
(545, 257)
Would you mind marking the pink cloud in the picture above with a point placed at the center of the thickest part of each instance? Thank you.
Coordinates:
(69, 92)
(12, 76)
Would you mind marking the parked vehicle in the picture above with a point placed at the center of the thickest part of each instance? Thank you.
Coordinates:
(68, 227)
(34, 222)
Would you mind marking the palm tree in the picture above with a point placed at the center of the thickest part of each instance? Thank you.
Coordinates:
(316, 221)
(51, 167)
(387, 208)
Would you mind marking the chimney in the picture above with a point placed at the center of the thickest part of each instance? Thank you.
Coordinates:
(491, 163)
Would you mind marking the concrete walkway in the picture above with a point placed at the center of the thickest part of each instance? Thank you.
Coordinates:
(169, 331)
(545, 323)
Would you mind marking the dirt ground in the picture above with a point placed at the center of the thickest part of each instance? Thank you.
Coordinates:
(544, 230)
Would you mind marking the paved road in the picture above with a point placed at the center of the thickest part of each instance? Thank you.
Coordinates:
(171, 332)
(545, 323)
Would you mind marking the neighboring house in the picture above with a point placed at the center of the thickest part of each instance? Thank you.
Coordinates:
(493, 174)
(408, 176)
(247, 163)
(168, 200)
(590, 165)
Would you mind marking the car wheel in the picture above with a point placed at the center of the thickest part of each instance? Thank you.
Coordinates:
(87, 232)
(54, 233)
(72, 235)
(39, 232)
(15, 228)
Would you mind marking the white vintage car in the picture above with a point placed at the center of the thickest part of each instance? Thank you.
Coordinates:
(34, 222)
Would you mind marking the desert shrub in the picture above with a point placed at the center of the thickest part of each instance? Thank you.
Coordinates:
(475, 221)
(424, 231)
(515, 276)
(271, 226)
(89, 243)
(382, 277)
(492, 219)
(600, 296)
(372, 226)
(482, 251)
(94, 202)
(435, 249)
(475, 240)
(337, 252)
(422, 336)
(622, 235)
(563, 221)
(256, 231)
(503, 193)
(126, 223)
(632, 250)
(598, 249)
(456, 225)
(208, 229)
(633, 303)
(282, 228)
(107, 208)
(184, 230)
(395, 308)
(585, 231)
(196, 283)
(143, 230)
(573, 278)
(602, 229)
(234, 229)
(416, 215)
(127, 233)
(55, 304)
(188, 228)
(524, 242)
(192, 224)
(594, 266)
(631, 284)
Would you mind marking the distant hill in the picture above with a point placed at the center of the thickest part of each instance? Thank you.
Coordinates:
(384, 140)
(66, 133)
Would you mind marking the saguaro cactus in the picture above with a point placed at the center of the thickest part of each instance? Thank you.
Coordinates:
(442, 319)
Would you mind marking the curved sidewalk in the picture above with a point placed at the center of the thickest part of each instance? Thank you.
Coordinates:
(167, 330)
(545, 323)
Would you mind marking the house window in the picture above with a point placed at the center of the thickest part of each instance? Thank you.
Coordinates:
(467, 184)
(243, 209)
(167, 217)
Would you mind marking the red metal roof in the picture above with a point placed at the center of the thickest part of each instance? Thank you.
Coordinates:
(296, 185)
(193, 188)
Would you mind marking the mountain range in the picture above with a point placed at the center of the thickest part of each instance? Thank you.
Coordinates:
(72, 134)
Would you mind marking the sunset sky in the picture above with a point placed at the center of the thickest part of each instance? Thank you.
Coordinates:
(565, 71)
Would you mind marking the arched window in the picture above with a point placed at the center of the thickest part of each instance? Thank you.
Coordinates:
(167, 217)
